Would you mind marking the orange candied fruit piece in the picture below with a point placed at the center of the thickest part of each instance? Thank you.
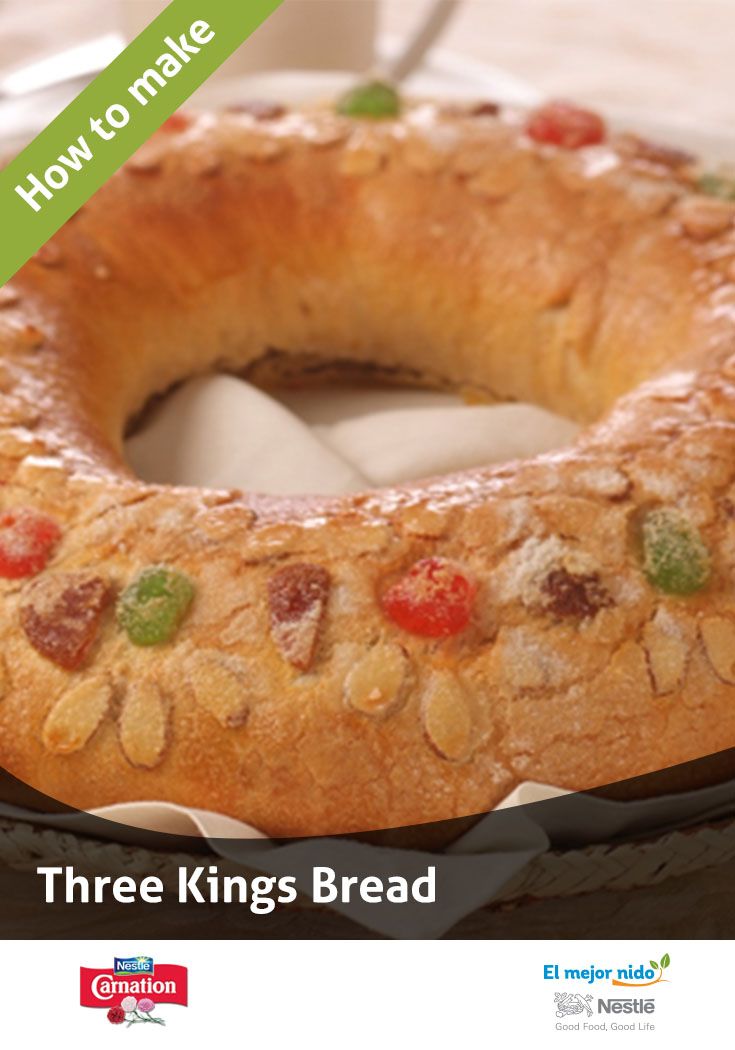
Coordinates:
(27, 541)
(566, 125)
(433, 599)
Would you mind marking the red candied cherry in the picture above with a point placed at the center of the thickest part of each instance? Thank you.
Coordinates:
(27, 540)
(566, 125)
(433, 599)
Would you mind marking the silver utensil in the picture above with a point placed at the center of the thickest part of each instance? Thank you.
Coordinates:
(409, 59)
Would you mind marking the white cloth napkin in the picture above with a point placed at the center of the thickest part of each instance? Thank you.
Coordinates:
(219, 431)
(222, 432)
(406, 443)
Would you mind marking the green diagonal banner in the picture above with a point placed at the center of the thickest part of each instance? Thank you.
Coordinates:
(61, 169)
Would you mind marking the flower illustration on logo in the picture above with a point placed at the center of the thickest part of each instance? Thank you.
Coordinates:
(134, 1011)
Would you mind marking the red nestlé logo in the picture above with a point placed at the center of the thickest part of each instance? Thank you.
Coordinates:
(133, 989)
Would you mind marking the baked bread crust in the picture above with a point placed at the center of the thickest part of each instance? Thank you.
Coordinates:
(448, 247)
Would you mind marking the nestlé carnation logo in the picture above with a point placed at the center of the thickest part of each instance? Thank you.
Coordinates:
(139, 964)
(133, 989)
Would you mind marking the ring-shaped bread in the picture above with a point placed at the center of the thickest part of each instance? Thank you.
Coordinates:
(330, 665)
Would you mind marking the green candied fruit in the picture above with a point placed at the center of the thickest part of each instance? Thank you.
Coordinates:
(151, 608)
(374, 99)
(717, 186)
(675, 558)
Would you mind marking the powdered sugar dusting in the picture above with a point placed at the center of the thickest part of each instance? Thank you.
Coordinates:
(523, 574)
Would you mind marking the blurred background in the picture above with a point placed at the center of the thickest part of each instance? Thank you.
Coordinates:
(668, 57)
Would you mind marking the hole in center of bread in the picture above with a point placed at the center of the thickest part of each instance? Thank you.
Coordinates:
(320, 427)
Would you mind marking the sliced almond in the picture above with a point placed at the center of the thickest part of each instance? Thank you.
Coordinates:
(718, 636)
(604, 480)
(29, 337)
(143, 725)
(76, 715)
(363, 155)
(205, 163)
(446, 717)
(360, 162)
(14, 412)
(219, 686)
(423, 156)
(666, 649)
(48, 254)
(425, 521)
(377, 685)
(471, 159)
(8, 297)
(705, 217)
(497, 180)
(144, 164)
(261, 147)
(328, 131)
